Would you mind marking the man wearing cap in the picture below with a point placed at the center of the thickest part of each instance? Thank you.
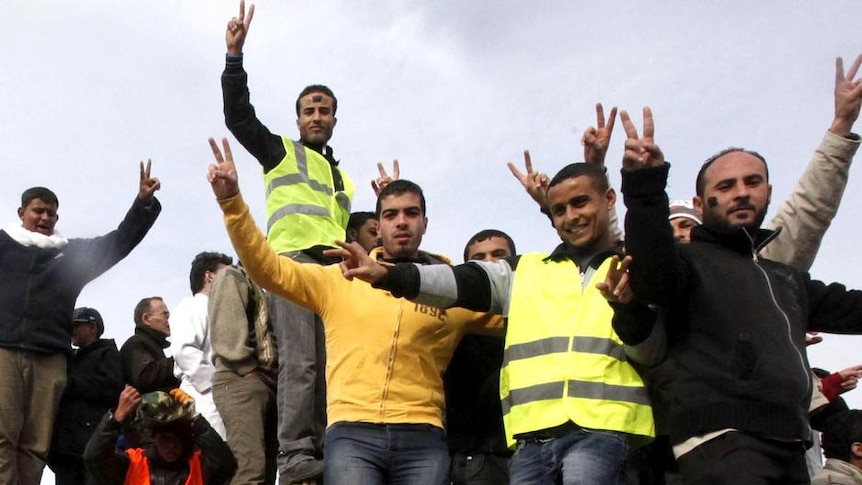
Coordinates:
(94, 380)
(41, 275)
(682, 218)
(185, 448)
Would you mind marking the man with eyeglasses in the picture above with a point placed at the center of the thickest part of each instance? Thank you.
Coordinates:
(145, 365)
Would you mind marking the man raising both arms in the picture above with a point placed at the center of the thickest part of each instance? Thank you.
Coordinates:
(308, 206)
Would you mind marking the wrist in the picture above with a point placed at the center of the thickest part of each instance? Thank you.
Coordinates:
(841, 127)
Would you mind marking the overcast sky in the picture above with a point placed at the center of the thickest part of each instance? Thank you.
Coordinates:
(452, 89)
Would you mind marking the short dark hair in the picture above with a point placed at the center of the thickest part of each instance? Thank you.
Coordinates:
(700, 182)
(358, 219)
(203, 262)
(400, 187)
(840, 432)
(47, 196)
(317, 88)
(488, 234)
(142, 307)
(595, 172)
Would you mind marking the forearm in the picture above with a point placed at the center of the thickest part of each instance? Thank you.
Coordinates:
(806, 215)
(642, 334)
(241, 120)
(217, 461)
(649, 238)
(304, 284)
(479, 287)
(107, 465)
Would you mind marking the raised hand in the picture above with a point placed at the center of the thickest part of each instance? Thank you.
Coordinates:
(640, 152)
(535, 183)
(148, 185)
(385, 179)
(597, 138)
(237, 29)
(355, 262)
(848, 97)
(616, 287)
(130, 399)
(222, 175)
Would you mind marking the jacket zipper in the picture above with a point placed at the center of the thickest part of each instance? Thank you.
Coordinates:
(391, 361)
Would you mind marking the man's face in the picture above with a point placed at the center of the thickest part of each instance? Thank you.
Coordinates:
(316, 119)
(736, 192)
(489, 250)
(83, 333)
(367, 235)
(682, 229)
(402, 225)
(580, 213)
(168, 446)
(157, 317)
(39, 216)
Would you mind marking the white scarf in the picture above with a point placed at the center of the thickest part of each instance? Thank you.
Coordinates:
(29, 238)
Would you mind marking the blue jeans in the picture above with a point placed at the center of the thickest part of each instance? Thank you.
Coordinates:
(374, 454)
(580, 457)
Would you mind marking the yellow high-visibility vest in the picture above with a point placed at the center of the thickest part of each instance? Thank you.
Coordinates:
(303, 209)
(563, 361)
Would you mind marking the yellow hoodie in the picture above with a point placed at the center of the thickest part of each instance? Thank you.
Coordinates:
(385, 356)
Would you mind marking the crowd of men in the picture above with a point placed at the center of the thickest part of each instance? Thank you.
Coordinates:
(338, 351)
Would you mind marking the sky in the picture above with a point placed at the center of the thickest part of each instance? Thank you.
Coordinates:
(452, 89)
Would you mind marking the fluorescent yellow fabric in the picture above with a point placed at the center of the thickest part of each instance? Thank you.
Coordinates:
(563, 360)
(303, 209)
(384, 355)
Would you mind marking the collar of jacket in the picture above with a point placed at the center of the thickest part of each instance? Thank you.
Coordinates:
(326, 150)
(563, 251)
(153, 334)
(423, 258)
(736, 239)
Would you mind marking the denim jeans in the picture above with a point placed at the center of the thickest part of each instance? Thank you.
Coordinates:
(588, 457)
(374, 454)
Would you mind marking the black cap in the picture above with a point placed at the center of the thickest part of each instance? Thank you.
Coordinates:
(89, 315)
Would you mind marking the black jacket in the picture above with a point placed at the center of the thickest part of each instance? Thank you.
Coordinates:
(38, 287)
(735, 323)
(95, 380)
(145, 365)
(108, 465)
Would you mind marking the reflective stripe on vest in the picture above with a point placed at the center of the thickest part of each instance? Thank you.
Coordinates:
(303, 209)
(563, 361)
(139, 468)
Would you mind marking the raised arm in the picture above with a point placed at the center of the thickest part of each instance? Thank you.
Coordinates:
(104, 461)
(239, 114)
(806, 215)
(649, 238)
(305, 284)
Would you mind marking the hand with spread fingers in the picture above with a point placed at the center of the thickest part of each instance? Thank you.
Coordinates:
(222, 175)
(534, 182)
(355, 262)
(148, 185)
(237, 29)
(848, 97)
(597, 138)
(385, 179)
(616, 287)
(640, 152)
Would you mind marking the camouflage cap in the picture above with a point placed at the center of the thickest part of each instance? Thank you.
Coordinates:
(159, 407)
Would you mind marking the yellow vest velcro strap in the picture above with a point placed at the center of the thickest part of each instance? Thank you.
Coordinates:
(598, 345)
(536, 348)
(608, 392)
(296, 179)
(309, 210)
(539, 392)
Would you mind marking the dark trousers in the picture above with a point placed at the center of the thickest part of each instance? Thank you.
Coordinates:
(479, 469)
(743, 459)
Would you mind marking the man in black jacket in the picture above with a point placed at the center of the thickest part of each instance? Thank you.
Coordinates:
(735, 323)
(95, 379)
(145, 365)
(41, 276)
